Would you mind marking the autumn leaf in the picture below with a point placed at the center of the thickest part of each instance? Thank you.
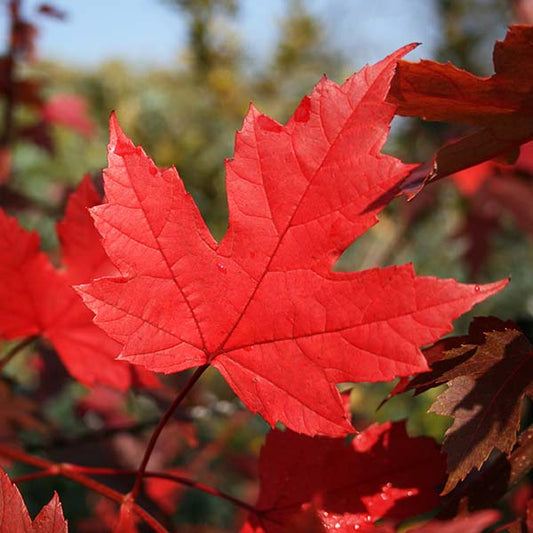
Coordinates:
(498, 106)
(14, 517)
(264, 306)
(382, 473)
(69, 111)
(37, 299)
(488, 373)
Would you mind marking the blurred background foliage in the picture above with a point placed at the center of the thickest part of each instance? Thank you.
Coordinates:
(185, 114)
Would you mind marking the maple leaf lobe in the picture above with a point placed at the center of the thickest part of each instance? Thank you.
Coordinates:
(14, 517)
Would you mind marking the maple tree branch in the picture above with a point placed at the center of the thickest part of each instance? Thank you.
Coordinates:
(96, 471)
(15, 350)
(71, 472)
(39, 474)
(182, 480)
(157, 431)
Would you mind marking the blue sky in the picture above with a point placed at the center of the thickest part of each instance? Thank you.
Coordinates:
(145, 32)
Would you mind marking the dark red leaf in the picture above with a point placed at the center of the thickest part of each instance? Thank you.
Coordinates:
(499, 106)
(382, 473)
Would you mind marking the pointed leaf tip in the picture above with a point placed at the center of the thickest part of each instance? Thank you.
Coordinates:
(117, 139)
(404, 50)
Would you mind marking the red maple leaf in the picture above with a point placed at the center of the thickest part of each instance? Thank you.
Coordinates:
(264, 306)
(382, 473)
(499, 106)
(14, 517)
(37, 299)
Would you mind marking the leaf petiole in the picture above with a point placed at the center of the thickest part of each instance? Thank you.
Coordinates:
(157, 431)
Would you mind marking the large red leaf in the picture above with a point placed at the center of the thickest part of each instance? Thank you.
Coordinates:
(264, 306)
(14, 517)
(499, 106)
(36, 299)
(339, 487)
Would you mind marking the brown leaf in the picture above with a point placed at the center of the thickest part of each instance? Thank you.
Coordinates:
(488, 372)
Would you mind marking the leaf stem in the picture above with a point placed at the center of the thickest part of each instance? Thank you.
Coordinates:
(15, 350)
(157, 431)
(70, 472)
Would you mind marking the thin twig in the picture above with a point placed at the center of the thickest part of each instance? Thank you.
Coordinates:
(182, 480)
(157, 431)
(96, 471)
(70, 472)
(39, 474)
(204, 488)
